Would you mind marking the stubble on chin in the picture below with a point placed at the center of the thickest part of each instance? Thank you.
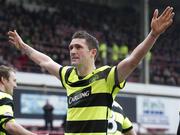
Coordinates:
(80, 65)
(77, 65)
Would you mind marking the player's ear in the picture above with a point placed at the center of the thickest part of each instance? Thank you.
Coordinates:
(94, 52)
(2, 80)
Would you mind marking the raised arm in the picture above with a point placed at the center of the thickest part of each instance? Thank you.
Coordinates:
(158, 25)
(39, 58)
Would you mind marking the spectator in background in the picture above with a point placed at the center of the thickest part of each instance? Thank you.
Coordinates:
(123, 51)
(119, 122)
(64, 122)
(8, 125)
(103, 52)
(48, 115)
(115, 53)
(85, 84)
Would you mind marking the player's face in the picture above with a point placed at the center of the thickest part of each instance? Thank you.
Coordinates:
(79, 52)
(10, 84)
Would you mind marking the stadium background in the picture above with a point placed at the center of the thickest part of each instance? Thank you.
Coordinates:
(151, 96)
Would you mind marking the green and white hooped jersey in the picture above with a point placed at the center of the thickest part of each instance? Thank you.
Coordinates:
(89, 99)
(118, 123)
(6, 111)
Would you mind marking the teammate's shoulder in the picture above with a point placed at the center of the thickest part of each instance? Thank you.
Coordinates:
(115, 104)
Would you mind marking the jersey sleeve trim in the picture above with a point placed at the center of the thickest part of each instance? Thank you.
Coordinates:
(117, 84)
(126, 130)
(60, 75)
(7, 118)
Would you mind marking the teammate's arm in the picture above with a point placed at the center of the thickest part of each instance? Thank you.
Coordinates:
(158, 25)
(39, 58)
(130, 132)
(15, 129)
(127, 126)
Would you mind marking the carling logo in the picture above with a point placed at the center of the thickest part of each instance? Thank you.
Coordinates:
(76, 97)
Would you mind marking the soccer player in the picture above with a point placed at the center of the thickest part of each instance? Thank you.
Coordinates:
(8, 124)
(91, 90)
(118, 122)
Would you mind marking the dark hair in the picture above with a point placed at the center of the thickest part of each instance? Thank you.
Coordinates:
(5, 72)
(92, 42)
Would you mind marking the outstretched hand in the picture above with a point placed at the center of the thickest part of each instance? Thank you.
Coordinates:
(160, 23)
(15, 39)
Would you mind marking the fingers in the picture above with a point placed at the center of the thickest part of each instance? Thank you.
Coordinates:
(155, 15)
(16, 32)
(12, 42)
(168, 17)
(10, 33)
(13, 38)
(165, 11)
(169, 14)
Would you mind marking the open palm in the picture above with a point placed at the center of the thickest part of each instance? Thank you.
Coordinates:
(15, 39)
(161, 23)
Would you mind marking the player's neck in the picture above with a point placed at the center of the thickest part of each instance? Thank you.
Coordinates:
(85, 70)
(2, 88)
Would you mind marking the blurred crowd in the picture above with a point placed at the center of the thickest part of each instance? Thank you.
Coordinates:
(118, 30)
(165, 63)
